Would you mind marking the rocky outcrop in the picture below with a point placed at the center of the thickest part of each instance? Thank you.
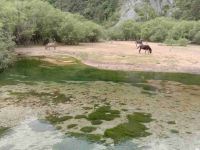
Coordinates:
(128, 7)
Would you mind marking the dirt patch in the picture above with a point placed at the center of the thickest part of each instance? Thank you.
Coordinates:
(124, 56)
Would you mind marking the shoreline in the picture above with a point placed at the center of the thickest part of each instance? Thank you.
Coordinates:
(110, 56)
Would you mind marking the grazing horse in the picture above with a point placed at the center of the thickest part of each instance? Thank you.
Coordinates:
(145, 47)
(138, 42)
(51, 44)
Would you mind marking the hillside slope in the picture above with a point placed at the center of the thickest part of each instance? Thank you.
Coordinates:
(146, 9)
(102, 11)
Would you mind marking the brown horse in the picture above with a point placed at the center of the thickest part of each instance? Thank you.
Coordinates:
(146, 48)
(49, 45)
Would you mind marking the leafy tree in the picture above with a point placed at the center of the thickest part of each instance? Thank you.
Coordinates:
(187, 9)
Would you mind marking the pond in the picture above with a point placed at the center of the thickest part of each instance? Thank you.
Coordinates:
(47, 106)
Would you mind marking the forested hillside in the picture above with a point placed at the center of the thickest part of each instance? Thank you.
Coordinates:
(97, 10)
(113, 10)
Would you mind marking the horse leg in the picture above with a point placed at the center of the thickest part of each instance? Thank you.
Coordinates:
(139, 50)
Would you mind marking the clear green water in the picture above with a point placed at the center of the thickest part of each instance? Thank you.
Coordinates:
(31, 70)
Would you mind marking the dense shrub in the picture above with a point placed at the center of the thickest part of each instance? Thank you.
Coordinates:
(92, 32)
(181, 29)
(179, 42)
(162, 29)
(157, 29)
(6, 45)
(34, 21)
(197, 38)
(130, 30)
(115, 33)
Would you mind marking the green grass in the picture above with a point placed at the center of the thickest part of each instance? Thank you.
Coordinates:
(56, 119)
(3, 130)
(88, 129)
(134, 128)
(31, 70)
(71, 126)
(103, 113)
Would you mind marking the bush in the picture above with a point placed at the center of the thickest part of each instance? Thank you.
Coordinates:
(182, 42)
(170, 42)
(70, 31)
(197, 38)
(38, 21)
(179, 42)
(130, 30)
(115, 33)
(6, 45)
(162, 29)
(156, 30)
(92, 32)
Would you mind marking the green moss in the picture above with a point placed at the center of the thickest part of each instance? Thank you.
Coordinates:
(71, 126)
(54, 97)
(146, 87)
(89, 137)
(3, 130)
(174, 131)
(87, 108)
(19, 95)
(134, 128)
(148, 93)
(55, 119)
(124, 109)
(88, 129)
(61, 98)
(171, 122)
(96, 122)
(122, 104)
(58, 127)
(104, 113)
(80, 116)
(140, 117)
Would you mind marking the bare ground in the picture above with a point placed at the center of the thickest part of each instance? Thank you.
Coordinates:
(118, 55)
